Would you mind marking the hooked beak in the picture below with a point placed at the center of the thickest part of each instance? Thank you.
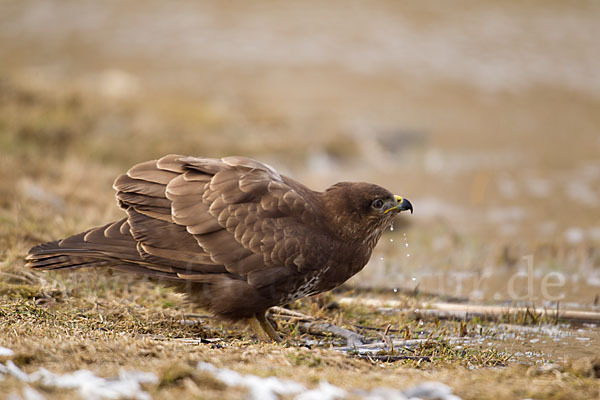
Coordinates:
(402, 205)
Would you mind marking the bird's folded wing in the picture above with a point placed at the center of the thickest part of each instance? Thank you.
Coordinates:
(232, 215)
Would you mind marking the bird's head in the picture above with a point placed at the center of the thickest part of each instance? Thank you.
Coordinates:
(362, 211)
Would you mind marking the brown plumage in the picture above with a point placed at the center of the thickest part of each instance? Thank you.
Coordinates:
(233, 234)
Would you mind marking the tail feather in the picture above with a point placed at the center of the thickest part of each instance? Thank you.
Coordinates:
(141, 270)
(67, 261)
(85, 263)
(86, 249)
(112, 246)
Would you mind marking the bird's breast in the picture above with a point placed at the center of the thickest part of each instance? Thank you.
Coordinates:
(306, 287)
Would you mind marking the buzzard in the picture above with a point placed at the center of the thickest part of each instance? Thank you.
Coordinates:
(233, 234)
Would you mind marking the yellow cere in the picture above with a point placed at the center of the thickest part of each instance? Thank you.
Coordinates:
(398, 199)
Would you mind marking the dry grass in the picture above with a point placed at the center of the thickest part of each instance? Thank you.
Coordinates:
(106, 323)
(138, 326)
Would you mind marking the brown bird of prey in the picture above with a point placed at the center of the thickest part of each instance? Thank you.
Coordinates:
(233, 234)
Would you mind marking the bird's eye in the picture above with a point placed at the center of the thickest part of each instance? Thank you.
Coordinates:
(377, 204)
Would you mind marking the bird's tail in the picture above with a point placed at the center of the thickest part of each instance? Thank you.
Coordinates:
(104, 246)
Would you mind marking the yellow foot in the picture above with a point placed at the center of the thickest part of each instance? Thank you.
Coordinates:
(262, 328)
(267, 327)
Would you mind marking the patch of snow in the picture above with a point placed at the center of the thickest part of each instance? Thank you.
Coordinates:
(574, 235)
(382, 394)
(90, 386)
(593, 279)
(582, 193)
(325, 391)
(260, 388)
(11, 369)
(4, 352)
(431, 390)
(30, 393)
(271, 388)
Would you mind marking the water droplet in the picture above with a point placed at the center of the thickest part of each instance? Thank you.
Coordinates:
(392, 227)
(407, 255)
(406, 244)
(414, 278)
(395, 290)
(381, 258)
(391, 240)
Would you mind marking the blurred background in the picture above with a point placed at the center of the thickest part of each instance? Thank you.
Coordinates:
(486, 115)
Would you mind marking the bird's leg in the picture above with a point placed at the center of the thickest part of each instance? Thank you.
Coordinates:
(258, 329)
(264, 326)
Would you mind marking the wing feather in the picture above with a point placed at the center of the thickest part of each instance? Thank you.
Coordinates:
(125, 183)
(171, 162)
(233, 215)
(148, 171)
